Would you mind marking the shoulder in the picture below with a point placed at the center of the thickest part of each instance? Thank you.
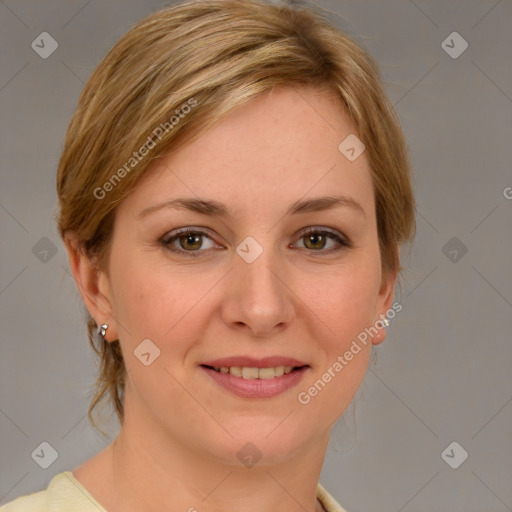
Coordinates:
(327, 501)
(65, 491)
(62, 494)
(35, 502)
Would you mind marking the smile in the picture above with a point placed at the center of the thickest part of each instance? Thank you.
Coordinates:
(252, 382)
(255, 373)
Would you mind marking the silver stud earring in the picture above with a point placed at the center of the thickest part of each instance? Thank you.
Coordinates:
(102, 330)
(385, 321)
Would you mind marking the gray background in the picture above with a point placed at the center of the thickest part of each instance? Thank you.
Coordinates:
(444, 372)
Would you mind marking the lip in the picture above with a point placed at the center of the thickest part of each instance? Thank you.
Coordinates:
(256, 388)
(252, 362)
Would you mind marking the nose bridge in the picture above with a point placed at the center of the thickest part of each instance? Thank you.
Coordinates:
(259, 277)
(257, 295)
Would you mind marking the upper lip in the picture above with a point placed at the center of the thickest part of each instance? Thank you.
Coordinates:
(252, 362)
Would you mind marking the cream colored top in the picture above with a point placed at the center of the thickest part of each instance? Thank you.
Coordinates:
(66, 494)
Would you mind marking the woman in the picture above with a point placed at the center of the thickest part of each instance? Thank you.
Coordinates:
(234, 189)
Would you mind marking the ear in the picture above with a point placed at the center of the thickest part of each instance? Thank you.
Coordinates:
(384, 302)
(93, 284)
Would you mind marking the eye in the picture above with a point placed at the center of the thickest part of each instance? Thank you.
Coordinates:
(191, 241)
(318, 239)
(187, 241)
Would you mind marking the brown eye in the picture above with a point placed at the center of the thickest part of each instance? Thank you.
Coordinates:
(188, 242)
(315, 241)
(323, 241)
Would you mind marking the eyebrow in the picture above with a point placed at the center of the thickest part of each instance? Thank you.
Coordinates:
(214, 208)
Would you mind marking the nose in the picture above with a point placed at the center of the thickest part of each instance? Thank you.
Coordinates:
(258, 299)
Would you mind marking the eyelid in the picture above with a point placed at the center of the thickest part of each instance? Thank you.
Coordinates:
(171, 236)
(341, 238)
(174, 235)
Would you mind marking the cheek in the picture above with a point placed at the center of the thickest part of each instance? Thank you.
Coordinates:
(344, 307)
(155, 300)
(344, 301)
(147, 303)
(163, 302)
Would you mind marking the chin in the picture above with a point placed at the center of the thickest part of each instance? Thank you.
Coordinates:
(262, 442)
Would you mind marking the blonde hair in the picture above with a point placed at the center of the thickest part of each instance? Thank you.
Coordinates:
(203, 59)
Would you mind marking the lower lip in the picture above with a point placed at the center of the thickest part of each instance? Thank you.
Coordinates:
(257, 388)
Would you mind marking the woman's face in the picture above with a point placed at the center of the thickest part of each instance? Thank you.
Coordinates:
(249, 281)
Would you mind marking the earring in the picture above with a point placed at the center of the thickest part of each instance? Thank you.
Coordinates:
(102, 330)
(385, 321)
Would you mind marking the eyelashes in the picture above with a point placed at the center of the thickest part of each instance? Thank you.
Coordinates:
(188, 235)
(189, 241)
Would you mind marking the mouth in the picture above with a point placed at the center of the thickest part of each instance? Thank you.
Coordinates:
(255, 382)
(251, 372)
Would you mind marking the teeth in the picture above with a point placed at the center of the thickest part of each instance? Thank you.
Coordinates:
(251, 373)
(255, 373)
(236, 371)
(265, 373)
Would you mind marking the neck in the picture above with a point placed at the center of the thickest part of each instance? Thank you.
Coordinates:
(152, 470)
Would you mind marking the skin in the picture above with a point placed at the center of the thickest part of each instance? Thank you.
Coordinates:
(178, 445)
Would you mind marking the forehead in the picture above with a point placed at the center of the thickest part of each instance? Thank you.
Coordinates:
(281, 146)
